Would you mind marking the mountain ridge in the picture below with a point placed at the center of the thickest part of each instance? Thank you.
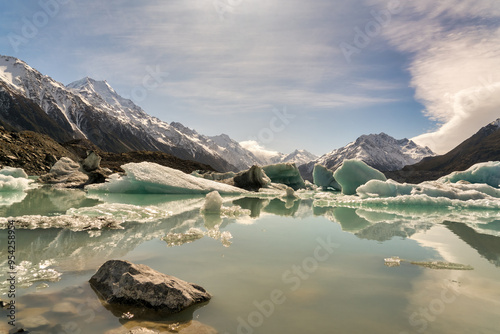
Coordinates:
(379, 151)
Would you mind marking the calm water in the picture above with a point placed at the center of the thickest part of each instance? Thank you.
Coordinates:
(290, 267)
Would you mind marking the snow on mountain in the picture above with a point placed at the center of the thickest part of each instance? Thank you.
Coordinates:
(379, 151)
(268, 157)
(92, 109)
(299, 157)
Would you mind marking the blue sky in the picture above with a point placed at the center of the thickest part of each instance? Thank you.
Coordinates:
(423, 69)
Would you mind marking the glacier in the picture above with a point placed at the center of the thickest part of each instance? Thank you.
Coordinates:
(151, 178)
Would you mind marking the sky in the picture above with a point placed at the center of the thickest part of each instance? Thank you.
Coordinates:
(278, 74)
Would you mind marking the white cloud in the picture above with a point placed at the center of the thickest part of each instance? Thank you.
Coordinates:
(258, 150)
(455, 67)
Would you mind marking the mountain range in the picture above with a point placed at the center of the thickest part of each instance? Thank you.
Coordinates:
(379, 151)
(93, 110)
(90, 110)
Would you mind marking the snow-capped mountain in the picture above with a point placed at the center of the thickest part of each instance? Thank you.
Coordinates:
(93, 110)
(268, 157)
(380, 151)
(299, 157)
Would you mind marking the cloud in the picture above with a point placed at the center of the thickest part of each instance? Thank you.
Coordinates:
(455, 65)
(263, 54)
(258, 150)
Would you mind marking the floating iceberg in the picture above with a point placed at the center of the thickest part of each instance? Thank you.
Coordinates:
(151, 178)
(285, 173)
(14, 172)
(354, 173)
(485, 172)
(14, 180)
(213, 203)
(323, 177)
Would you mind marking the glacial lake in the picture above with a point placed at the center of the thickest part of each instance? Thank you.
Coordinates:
(284, 266)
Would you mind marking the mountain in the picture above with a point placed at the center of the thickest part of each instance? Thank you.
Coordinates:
(481, 147)
(267, 157)
(89, 109)
(298, 157)
(379, 151)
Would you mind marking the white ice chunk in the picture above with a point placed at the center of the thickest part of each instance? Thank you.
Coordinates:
(459, 191)
(323, 177)
(14, 172)
(354, 173)
(151, 178)
(213, 203)
(10, 183)
(485, 172)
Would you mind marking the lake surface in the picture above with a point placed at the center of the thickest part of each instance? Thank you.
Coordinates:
(286, 266)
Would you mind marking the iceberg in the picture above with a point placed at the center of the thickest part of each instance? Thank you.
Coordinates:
(323, 177)
(485, 172)
(285, 173)
(14, 184)
(151, 178)
(213, 203)
(14, 172)
(354, 173)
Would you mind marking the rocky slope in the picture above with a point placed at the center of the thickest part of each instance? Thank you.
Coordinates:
(36, 153)
(481, 147)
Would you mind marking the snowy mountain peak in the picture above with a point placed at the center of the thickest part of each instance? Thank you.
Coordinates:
(496, 123)
(380, 151)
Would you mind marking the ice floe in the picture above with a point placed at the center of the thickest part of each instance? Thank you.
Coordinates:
(151, 178)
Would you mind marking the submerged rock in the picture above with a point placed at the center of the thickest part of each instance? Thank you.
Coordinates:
(354, 173)
(124, 283)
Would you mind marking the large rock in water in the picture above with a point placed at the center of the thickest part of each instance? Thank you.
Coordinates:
(124, 283)
(354, 173)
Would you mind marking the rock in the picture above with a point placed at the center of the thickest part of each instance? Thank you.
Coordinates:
(92, 162)
(124, 283)
(252, 179)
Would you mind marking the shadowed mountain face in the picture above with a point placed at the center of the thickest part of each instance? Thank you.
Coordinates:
(481, 147)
